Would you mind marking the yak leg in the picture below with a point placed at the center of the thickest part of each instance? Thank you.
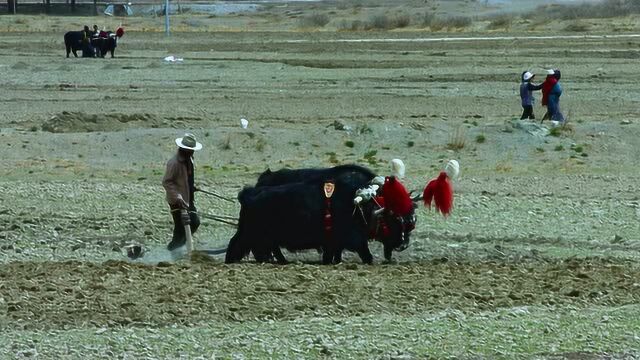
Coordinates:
(327, 255)
(363, 250)
(235, 250)
(365, 255)
(337, 256)
(277, 253)
(388, 251)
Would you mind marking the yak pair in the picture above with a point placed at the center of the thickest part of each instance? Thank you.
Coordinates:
(332, 210)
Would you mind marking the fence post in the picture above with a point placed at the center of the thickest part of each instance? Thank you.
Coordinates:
(11, 6)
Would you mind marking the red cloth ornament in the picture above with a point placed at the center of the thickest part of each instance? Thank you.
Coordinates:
(119, 32)
(328, 220)
(396, 197)
(440, 191)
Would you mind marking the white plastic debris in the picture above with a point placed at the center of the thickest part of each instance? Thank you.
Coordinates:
(244, 123)
(173, 59)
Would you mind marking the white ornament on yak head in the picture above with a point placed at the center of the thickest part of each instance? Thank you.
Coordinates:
(397, 168)
(366, 194)
(378, 180)
(452, 169)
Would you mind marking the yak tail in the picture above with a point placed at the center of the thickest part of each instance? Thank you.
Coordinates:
(440, 191)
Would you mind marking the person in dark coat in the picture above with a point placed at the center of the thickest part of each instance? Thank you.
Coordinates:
(526, 95)
(179, 186)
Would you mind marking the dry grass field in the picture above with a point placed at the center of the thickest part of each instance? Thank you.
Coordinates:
(539, 259)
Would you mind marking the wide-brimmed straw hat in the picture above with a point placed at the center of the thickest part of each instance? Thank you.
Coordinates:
(188, 141)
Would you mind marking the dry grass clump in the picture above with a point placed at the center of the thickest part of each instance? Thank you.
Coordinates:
(457, 139)
(353, 25)
(453, 22)
(578, 26)
(428, 18)
(598, 10)
(384, 22)
(502, 21)
(315, 20)
(226, 143)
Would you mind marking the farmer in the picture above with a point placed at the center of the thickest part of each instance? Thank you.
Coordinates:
(178, 183)
(87, 48)
(553, 104)
(551, 91)
(526, 95)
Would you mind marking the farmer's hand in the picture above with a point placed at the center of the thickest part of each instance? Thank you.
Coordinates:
(184, 216)
(181, 203)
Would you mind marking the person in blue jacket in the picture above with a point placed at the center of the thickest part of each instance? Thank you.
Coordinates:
(526, 95)
(553, 105)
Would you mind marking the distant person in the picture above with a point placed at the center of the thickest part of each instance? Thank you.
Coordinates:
(551, 92)
(87, 47)
(526, 95)
(96, 32)
(179, 185)
(547, 86)
(554, 99)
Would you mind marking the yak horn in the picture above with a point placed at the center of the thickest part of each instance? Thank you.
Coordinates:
(417, 197)
(378, 212)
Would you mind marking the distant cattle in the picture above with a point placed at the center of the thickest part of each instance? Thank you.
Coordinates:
(77, 40)
(290, 209)
(97, 46)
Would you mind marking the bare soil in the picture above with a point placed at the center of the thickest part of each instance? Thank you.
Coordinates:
(543, 240)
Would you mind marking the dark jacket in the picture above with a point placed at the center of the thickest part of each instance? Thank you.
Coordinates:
(526, 92)
(176, 180)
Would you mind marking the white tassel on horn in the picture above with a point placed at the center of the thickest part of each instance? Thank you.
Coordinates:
(397, 168)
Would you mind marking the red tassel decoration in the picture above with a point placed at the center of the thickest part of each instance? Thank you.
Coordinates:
(396, 197)
(328, 220)
(441, 192)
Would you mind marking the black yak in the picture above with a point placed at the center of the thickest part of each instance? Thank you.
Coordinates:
(92, 46)
(317, 208)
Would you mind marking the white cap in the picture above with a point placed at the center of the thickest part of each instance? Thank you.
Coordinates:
(551, 72)
(528, 75)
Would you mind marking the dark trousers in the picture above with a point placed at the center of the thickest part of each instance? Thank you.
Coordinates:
(527, 113)
(179, 237)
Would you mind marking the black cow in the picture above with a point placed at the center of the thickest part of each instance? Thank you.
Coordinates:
(287, 208)
(104, 45)
(358, 176)
(78, 40)
(92, 46)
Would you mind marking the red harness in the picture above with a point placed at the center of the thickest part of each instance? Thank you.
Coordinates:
(328, 188)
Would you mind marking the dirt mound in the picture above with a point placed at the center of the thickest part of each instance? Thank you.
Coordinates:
(68, 122)
(20, 66)
(51, 294)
